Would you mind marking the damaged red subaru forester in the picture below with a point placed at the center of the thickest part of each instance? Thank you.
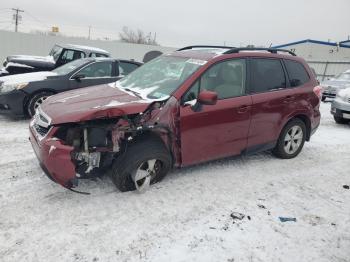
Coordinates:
(196, 104)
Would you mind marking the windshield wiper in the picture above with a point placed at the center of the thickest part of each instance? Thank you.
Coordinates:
(134, 92)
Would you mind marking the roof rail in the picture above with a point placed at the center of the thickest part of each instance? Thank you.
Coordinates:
(271, 50)
(204, 46)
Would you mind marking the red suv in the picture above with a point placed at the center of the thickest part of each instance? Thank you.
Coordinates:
(196, 104)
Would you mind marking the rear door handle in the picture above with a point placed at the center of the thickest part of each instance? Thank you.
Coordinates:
(243, 109)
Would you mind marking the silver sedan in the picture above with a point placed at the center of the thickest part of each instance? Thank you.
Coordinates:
(341, 107)
(331, 87)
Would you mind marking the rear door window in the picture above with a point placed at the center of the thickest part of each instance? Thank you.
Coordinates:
(96, 70)
(70, 55)
(266, 75)
(297, 73)
(97, 55)
(125, 68)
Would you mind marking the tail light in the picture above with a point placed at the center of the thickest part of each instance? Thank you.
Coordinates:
(318, 91)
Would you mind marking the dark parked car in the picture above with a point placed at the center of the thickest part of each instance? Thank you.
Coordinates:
(187, 107)
(59, 55)
(20, 95)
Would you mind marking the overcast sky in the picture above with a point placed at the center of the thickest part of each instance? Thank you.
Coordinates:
(183, 22)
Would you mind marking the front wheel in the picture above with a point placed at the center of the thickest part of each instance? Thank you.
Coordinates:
(291, 140)
(340, 120)
(144, 163)
(35, 101)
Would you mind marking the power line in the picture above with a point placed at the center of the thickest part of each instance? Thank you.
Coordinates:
(17, 17)
(37, 19)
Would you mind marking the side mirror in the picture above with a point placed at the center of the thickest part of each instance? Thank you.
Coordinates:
(207, 98)
(78, 77)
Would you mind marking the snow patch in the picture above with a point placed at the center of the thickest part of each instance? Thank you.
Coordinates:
(345, 92)
(115, 103)
(95, 49)
(48, 59)
(9, 64)
(65, 99)
(52, 148)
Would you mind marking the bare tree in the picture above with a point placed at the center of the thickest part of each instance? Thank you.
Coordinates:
(137, 37)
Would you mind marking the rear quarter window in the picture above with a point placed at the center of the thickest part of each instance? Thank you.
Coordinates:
(125, 68)
(98, 55)
(297, 73)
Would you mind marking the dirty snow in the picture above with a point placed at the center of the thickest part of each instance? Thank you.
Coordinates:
(10, 64)
(95, 49)
(48, 58)
(226, 210)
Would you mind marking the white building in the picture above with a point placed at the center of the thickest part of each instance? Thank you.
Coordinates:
(327, 58)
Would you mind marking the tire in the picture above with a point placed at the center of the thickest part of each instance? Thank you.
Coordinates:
(282, 150)
(323, 98)
(36, 100)
(138, 155)
(340, 120)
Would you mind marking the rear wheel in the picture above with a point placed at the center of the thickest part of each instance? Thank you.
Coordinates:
(144, 163)
(340, 120)
(291, 140)
(35, 101)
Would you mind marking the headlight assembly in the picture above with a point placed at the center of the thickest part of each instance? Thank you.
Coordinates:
(342, 96)
(10, 87)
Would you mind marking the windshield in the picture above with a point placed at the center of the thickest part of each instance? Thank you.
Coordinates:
(343, 76)
(55, 52)
(159, 78)
(69, 67)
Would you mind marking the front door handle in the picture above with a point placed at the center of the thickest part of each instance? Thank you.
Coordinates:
(288, 99)
(243, 109)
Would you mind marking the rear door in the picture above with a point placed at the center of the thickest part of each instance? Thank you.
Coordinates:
(96, 73)
(272, 101)
(220, 130)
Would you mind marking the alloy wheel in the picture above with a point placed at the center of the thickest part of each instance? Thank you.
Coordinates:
(145, 173)
(39, 102)
(293, 139)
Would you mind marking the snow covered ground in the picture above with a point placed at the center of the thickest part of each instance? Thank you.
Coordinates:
(187, 217)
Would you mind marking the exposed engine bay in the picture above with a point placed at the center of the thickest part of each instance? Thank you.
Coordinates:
(97, 143)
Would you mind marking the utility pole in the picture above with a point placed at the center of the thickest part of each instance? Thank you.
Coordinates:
(17, 17)
(89, 32)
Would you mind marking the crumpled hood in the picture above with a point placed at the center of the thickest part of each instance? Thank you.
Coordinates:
(31, 61)
(335, 83)
(102, 101)
(26, 78)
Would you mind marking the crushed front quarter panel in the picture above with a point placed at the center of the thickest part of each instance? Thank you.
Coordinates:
(54, 158)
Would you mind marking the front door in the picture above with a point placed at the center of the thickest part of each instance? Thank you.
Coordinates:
(214, 131)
